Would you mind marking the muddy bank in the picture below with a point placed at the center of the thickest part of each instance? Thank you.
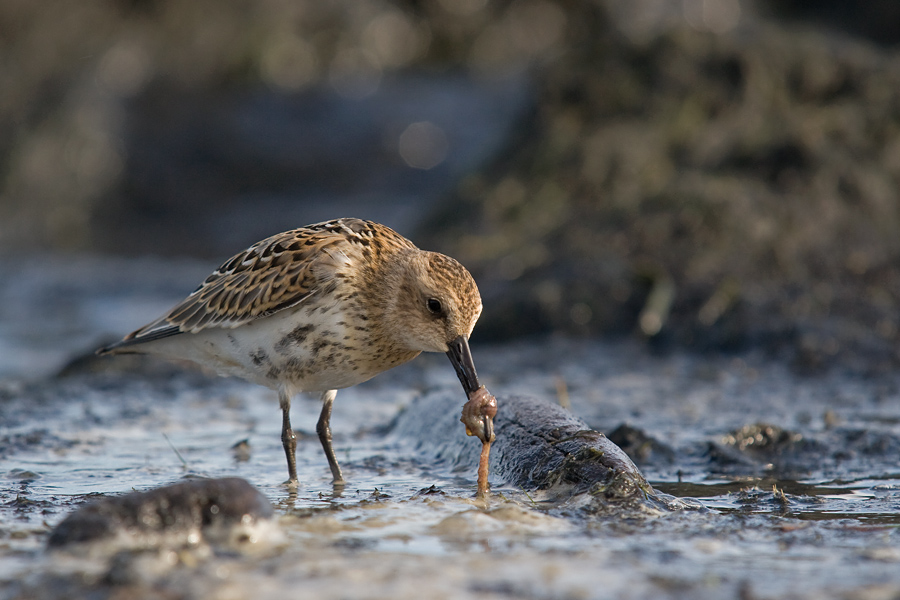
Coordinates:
(717, 191)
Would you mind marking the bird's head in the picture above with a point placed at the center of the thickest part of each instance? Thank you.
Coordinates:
(435, 310)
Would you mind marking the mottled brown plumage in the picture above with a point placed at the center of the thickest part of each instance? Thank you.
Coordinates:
(274, 274)
(317, 309)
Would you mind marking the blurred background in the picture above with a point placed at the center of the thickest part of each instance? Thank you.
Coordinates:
(713, 175)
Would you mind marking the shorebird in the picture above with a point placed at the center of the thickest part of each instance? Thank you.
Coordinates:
(318, 309)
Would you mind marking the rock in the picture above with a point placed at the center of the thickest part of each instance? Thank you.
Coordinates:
(642, 448)
(766, 449)
(539, 447)
(216, 511)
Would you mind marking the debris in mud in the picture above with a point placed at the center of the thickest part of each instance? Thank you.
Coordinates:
(22, 476)
(241, 450)
(12, 443)
(762, 438)
(217, 511)
(761, 447)
(755, 499)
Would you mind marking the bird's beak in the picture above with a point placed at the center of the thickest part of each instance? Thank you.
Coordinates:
(461, 357)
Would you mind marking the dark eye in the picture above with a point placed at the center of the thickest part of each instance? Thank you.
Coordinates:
(434, 306)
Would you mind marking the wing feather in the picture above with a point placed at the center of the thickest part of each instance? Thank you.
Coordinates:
(274, 274)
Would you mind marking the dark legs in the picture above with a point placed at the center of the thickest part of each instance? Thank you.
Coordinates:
(288, 439)
(323, 428)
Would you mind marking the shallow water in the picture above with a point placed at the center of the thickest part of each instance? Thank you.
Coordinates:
(811, 517)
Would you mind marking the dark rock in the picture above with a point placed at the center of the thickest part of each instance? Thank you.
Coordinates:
(642, 448)
(762, 448)
(201, 505)
(539, 446)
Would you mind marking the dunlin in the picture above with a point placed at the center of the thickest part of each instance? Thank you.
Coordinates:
(318, 309)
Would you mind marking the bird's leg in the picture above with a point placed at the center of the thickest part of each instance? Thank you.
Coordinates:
(288, 439)
(323, 428)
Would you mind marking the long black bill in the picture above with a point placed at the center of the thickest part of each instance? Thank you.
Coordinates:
(461, 357)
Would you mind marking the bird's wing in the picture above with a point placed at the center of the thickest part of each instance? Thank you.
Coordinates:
(274, 274)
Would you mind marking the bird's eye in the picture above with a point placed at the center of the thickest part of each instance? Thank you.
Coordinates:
(434, 306)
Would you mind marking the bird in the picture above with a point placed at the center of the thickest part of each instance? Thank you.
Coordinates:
(317, 309)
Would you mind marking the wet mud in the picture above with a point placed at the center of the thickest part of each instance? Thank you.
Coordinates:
(408, 518)
(736, 476)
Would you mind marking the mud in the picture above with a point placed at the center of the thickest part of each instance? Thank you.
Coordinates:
(790, 484)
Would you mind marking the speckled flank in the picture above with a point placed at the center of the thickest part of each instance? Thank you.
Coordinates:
(294, 338)
(318, 308)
